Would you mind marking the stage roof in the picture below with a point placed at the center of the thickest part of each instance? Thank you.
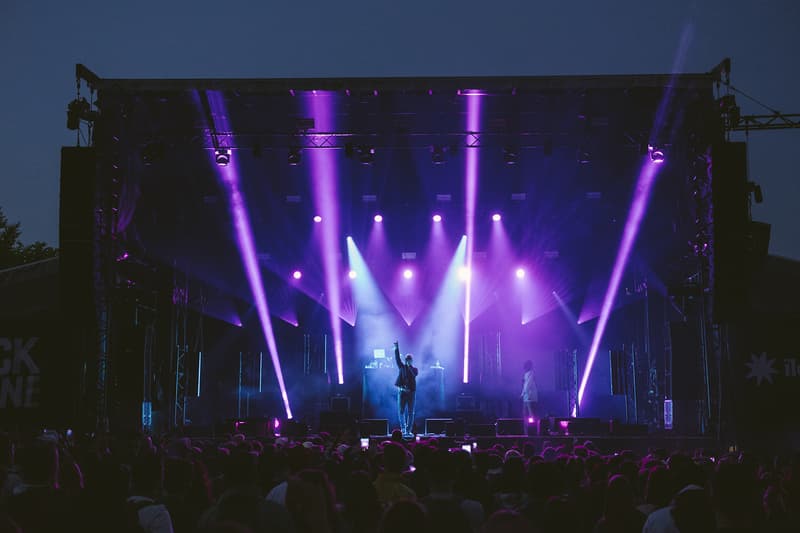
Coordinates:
(559, 156)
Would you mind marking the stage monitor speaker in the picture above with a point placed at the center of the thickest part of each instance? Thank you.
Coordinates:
(480, 430)
(251, 427)
(374, 427)
(578, 426)
(436, 426)
(588, 426)
(455, 428)
(510, 426)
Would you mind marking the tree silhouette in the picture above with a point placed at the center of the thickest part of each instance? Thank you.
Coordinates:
(13, 252)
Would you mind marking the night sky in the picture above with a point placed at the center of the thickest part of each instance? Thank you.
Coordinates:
(42, 41)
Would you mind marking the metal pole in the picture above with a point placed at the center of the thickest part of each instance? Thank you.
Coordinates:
(260, 369)
(239, 390)
(199, 371)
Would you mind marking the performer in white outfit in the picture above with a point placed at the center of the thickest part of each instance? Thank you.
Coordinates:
(530, 395)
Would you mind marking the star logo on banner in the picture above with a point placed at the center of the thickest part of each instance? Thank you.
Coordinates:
(761, 368)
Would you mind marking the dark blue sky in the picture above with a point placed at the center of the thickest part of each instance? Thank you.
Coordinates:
(42, 41)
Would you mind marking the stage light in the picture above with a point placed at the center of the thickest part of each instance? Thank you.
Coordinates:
(656, 154)
(295, 156)
(378, 218)
(463, 273)
(520, 273)
(510, 155)
(297, 274)
(437, 155)
(530, 420)
(317, 219)
(437, 218)
(636, 213)
(366, 154)
(352, 274)
(408, 273)
(222, 156)
(496, 217)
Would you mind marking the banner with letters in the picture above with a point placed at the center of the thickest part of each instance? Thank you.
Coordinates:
(38, 385)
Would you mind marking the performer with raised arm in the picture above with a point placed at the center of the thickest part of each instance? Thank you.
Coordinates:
(406, 384)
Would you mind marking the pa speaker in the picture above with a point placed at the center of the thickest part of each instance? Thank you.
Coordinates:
(731, 214)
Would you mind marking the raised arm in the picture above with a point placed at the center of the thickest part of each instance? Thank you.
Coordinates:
(397, 355)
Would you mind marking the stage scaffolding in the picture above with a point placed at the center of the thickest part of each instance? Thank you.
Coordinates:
(108, 126)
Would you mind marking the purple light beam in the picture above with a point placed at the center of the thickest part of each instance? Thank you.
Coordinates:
(247, 250)
(473, 126)
(325, 193)
(641, 197)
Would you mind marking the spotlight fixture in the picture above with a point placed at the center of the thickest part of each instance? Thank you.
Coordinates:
(520, 273)
(656, 154)
(408, 273)
(366, 154)
(317, 219)
(378, 218)
(222, 156)
(297, 274)
(496, 217)
(437, 155)
(295, 155)
(437, 218)
(352, 274)
(510, 155)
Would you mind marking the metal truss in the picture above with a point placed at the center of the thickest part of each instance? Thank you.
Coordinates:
(180, 347)
(776, 121)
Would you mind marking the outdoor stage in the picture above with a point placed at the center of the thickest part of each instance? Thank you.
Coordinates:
(252, 248)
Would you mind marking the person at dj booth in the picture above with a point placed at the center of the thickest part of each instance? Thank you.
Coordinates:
(406, 384)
